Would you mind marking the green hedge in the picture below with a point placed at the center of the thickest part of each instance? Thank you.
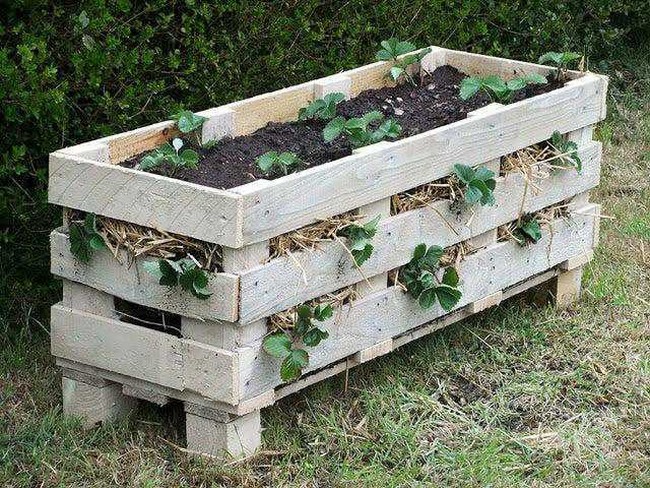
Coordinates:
(70, 74)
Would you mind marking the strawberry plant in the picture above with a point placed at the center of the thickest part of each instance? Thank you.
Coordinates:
(184, 272)
(187, 121)
(85, 239)
(286, 345)
(170, 154)
(274, 162)
(568, 152)
(560, 60)
(359, 237)
(496, 88)
(358, 130)
(528, 231)
(392, 49)
(322, 108)
(478, 183)
(422, 283)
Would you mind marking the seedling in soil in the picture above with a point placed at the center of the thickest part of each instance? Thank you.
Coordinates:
(286, 345)
(568, 152)
(275, 162)
(392, 49)
(187, 121)
(184, 272)
(560, 60)
(478, 183)
(85, 239)
(497, 89)
(358, 130)
(422, 283)
(322, 108)
(528, 231)
(170, 154)
(359, 237)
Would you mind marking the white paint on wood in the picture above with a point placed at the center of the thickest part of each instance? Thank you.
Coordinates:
(94, 404)
(88, 299)
(332, 84)
(220, 123)
(238, 438)
(145, 199)
(136, 285)
(280, 284)
(385, 315)
(486, 302)
(143, 353)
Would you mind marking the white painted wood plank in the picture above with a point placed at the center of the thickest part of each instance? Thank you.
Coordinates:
(382, 170)
(385, 315)
(145, 199)
(278, 285)
(134, 284)
(179, 364)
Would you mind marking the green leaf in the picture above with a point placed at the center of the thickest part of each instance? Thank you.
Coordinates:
(79, 246)
(464, 173)
(149, 162)
(153, 268)
(190, 158)
(314, 336)
(474, 191)
(323, 312)
(496, 84)
(293, 364)
(396, 72)
(334, 128)
(96, 242)
(483, 174)
(427, 279)
(169, 273)
(288, 159)
(90, 223)
(469, 87)
(388, 128)
(427, 298)
(516, 84)
(531, 230)
(433, 255)
(371, 117)
(419, 251)
(188, 121)
(277, 345)
(534, 79)
(448, 297)
(370, 227)
(450, 277)
(304, 312)
(551, 57)
(362, 255)
(266, 161)
(404, 47)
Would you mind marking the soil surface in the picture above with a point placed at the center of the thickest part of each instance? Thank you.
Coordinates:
(435, 102)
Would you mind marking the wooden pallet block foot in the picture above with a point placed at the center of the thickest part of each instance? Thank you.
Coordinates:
(222, 435)
(567, 287)
(96, 402)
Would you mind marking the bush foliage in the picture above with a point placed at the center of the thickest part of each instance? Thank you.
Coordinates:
(74, 71)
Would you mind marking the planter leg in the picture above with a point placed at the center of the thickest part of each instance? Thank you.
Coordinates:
(95, 401)
(222, 435)
(567, 288)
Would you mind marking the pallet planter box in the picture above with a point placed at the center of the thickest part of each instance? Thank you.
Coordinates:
(214, 361)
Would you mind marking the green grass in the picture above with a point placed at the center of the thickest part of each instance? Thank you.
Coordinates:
(517, 396)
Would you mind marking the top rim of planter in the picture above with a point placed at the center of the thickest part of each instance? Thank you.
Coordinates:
(86, 176)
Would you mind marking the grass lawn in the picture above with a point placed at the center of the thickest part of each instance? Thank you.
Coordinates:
(517, 396)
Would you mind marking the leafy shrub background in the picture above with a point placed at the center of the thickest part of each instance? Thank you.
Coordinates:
(74, 71)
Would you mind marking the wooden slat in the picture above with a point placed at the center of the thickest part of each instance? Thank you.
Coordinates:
(281, 283)
(382, 316)
(136, 285)
(145, 199)
(279, 206)
(163, 359)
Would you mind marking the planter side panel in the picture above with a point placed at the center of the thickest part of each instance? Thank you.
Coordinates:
(384, 315)
(290, 280)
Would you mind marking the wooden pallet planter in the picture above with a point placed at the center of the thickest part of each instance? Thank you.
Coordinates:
(214, 362)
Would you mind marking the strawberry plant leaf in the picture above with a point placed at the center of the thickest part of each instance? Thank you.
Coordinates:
(448, 296)
(532, 230)
(169, 274)
(304, 312)
(450, 277)
(314, 336)
(396, 72)
(187, 121)
(427, 298)
(333, 129)
(293, 364)
(469, 87)
(323, 312)
(274, 162)
(79, 245)
(420, 251)
(153, 268)
(464, 173)
(277, 345)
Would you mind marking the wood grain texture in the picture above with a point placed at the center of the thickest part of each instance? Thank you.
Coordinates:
(380, 170)
(136, 285)
(145, 199)
(382, 316)
(280, 284)
(179, 364)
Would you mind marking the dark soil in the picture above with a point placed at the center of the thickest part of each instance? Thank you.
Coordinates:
(434, 103)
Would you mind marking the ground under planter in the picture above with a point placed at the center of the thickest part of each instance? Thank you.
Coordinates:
(214, 361)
